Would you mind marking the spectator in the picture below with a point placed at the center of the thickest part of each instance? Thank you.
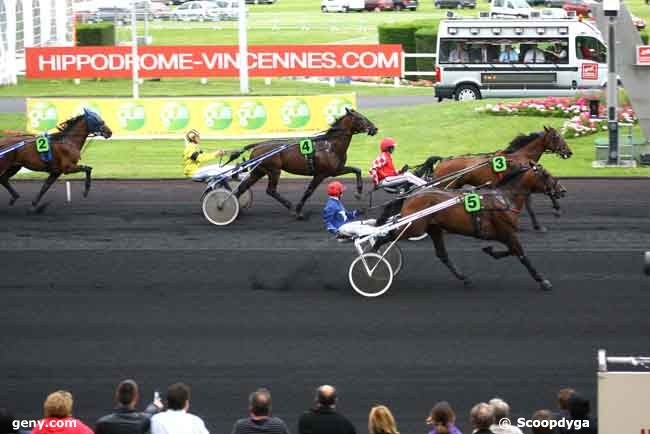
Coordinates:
(381, 421)
(260, 420)
(482, 418)
(560, 53)
(501, 410)
(509, 55)
(8, 424)
(126, 419)
(534, 55)
(458, 54)
(579, 410)
(443, 419)
(176, 420)
(323, 418)
(546, 417)
(57, 412)
(563, 402)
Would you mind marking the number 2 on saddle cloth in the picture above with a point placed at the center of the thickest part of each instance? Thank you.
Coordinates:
(43, 148)
(306, 147)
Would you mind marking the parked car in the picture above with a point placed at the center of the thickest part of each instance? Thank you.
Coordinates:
(455, 4)
(159, 11)
(379, 5)
(259, 2)
(342, 5)
(228, 10)
(510, 8)
(639, 23)
(196, 11)
(176, 2)
(411, 5)
(117, 15)
(578, 6)
(553, 3)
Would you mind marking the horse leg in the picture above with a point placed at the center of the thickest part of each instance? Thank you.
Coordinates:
(357, 173)
(313, 185)
(87, 170)
(46, 186)
(533, 217)
(516, 250)
(272, 188)
(441, 251)
(4, 180)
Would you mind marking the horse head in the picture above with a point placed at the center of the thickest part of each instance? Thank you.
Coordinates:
(554, 142)
(96, 125)
(544, 182)
(358, 123)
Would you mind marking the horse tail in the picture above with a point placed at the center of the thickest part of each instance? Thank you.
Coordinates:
(235, 154)
(426, 168)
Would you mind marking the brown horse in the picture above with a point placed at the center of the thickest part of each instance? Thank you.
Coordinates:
(521, 150)
(497, 220)
(65, 146)
(328, 158)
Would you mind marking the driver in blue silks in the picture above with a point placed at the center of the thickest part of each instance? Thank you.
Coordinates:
(334, 214)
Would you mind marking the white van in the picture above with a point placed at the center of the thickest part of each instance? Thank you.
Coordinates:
(342, 5)
(510, 8)
(502, 58)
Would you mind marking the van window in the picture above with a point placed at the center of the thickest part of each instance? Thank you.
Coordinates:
(497, 3)
(589, 48)
(499, 51)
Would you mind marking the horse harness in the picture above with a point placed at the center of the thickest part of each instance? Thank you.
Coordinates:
(308, 149)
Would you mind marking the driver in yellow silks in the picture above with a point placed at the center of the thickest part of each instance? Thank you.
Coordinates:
(193, 155)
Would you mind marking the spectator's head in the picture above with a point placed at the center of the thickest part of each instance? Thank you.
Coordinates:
(542, 415)
(127, 394)
(563, 398)
(579, 407)
(260, 403)
(442, 415)
(482, 416)
(58, 404)
(381, 421)
(326, 396)
(500, 408)
(178, 396)
(460, 46)
(7, 422)
(508, 48)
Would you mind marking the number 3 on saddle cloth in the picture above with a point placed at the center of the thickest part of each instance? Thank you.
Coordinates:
(307, 150)
(43, 148)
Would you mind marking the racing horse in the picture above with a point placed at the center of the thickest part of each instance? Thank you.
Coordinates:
(522, 149)
(327, 159)
(497, 219)
(65, 146)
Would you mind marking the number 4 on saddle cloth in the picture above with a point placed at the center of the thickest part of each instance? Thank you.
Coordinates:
(306, 147)
(43, 148)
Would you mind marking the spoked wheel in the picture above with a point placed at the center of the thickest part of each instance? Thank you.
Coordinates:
(246, 198)
(370, 275)
(394, 257)
(220, 207)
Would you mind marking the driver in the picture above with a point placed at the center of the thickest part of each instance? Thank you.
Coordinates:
(383, 171)
(338, 220)
(193, 155)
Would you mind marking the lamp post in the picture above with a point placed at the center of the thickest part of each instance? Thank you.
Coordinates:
(611, 8)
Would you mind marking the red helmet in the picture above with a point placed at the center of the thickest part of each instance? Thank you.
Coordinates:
(387, 143)
(335, 188)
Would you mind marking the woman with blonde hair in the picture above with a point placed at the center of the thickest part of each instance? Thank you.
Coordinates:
(381, 421)
(442, 419)
(57, 412)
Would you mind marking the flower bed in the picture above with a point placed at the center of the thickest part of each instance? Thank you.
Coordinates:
(579, 123)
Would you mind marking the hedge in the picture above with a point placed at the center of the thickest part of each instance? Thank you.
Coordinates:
(425, 42)
(404, 34)
(95, 34)
(644, 37)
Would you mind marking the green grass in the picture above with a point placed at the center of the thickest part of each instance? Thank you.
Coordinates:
(437, 129)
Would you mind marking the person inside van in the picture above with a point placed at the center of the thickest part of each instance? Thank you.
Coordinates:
(559, 53)
(583, 51)
(458, 54)
(534, 55)
(508, 55)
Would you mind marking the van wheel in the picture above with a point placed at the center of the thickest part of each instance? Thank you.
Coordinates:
(437, 5)
(398, 7)
(467, 92)
(323, 9)
(345, 9)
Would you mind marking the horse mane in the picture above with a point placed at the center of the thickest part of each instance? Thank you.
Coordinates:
(520, 141)
(64, 127)
(510, 176)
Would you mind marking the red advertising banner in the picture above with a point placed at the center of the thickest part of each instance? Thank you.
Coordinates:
(643, 54)
(215, 61)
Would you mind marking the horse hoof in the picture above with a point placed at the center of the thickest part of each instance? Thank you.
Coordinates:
(40, 209)
(488, 250)
(541, 229)
(557, 214)
(468, 283)
(358, 196)
(12, 201)
(300, 216)
(545, 285)
(85, 193)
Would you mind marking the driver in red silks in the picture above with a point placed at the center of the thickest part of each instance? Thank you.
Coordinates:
(383, 170)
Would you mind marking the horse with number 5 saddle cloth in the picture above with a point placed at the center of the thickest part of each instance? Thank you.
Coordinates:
(522, 149)
(57, 153)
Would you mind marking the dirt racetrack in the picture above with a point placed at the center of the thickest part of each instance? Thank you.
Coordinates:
(133, 282)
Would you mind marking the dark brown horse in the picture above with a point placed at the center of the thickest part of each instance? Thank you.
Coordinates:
(497, 220)
(328, 158)
(65, 146)
(521, 150)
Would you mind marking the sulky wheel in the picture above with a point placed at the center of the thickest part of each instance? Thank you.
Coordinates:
(646, 265)
(394, 257)
(220, 207)
(370, 275)
(246, 198)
